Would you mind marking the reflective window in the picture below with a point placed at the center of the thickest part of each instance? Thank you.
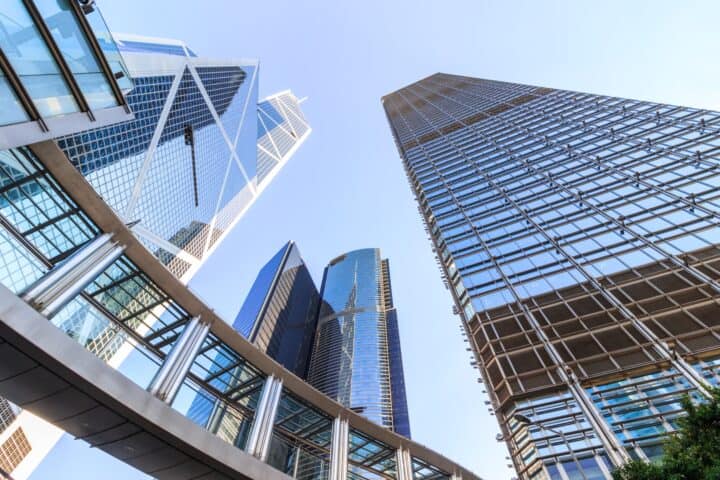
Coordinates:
(10, 109)
(73, 44)
(110, 49)
(30, 58)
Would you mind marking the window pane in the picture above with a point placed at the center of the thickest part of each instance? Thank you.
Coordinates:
(31, 60)
(110, 49)
(10, 109)
(76, 50)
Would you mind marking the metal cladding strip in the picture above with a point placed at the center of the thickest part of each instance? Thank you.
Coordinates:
(191, 352)
(83, 194)
(177, 364)
(269, 419)
(404, 464)
(612, 446)
(339, 450)
(56, 303)
(662, 348)
(60, 285)
(54, 276)
(253, 441)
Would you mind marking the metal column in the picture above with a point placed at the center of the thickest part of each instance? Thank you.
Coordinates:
(177, 364)
(68, 279)
(339, 450)
(258, 443)
(404, 464)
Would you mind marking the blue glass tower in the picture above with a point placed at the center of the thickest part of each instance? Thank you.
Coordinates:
(356, 357)
(280, 312)
(197, 154)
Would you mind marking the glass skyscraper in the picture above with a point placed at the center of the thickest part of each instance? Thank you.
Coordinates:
(279, 314)
(178, 145)
(200, 150)
(356, 357)
(578, 235)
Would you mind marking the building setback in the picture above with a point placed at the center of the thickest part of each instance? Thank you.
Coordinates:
(356, 358)
(578, 236)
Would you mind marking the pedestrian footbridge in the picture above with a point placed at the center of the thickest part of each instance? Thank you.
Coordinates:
(192, 398)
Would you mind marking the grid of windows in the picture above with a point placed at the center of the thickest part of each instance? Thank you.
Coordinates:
(281, 124)
(111, 157)
(181, 173)
(7, 414)
(577, 232)
(14, 450)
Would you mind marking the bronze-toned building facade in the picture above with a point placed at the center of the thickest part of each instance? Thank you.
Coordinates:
(578, 235)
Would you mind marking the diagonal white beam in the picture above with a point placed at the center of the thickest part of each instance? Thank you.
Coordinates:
(137, 189)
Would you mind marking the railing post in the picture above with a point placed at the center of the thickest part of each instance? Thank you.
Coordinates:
(68, 279)
(404, 464)
(176, 366)
(261, 431)
(339, 450)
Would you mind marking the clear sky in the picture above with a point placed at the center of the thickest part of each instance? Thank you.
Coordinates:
(345, 188)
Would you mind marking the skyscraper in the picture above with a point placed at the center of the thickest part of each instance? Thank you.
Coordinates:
(171, 141)
(356, 357)
(578, 236)
(279, 314)
(200, 150)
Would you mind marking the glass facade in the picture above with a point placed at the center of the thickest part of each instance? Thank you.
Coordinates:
(281, 126)
(192, 160)
(280, 313)
(578, 234)
(352, 360)
(30, 58)
(182, 166)
(57, 59)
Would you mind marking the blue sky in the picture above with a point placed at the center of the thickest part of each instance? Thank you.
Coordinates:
(345, 188)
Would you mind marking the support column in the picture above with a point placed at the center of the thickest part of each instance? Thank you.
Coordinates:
(404, 464)
(177, 364)
(68, 279)
(260, 436)
(339, 450)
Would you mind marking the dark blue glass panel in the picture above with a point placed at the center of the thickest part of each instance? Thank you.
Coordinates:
(401, 419)
(250, 310)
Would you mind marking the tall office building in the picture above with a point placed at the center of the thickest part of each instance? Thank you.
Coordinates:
(178, 145)
(356, 356)
(279, 314)
(578, 235)
(200, 150)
